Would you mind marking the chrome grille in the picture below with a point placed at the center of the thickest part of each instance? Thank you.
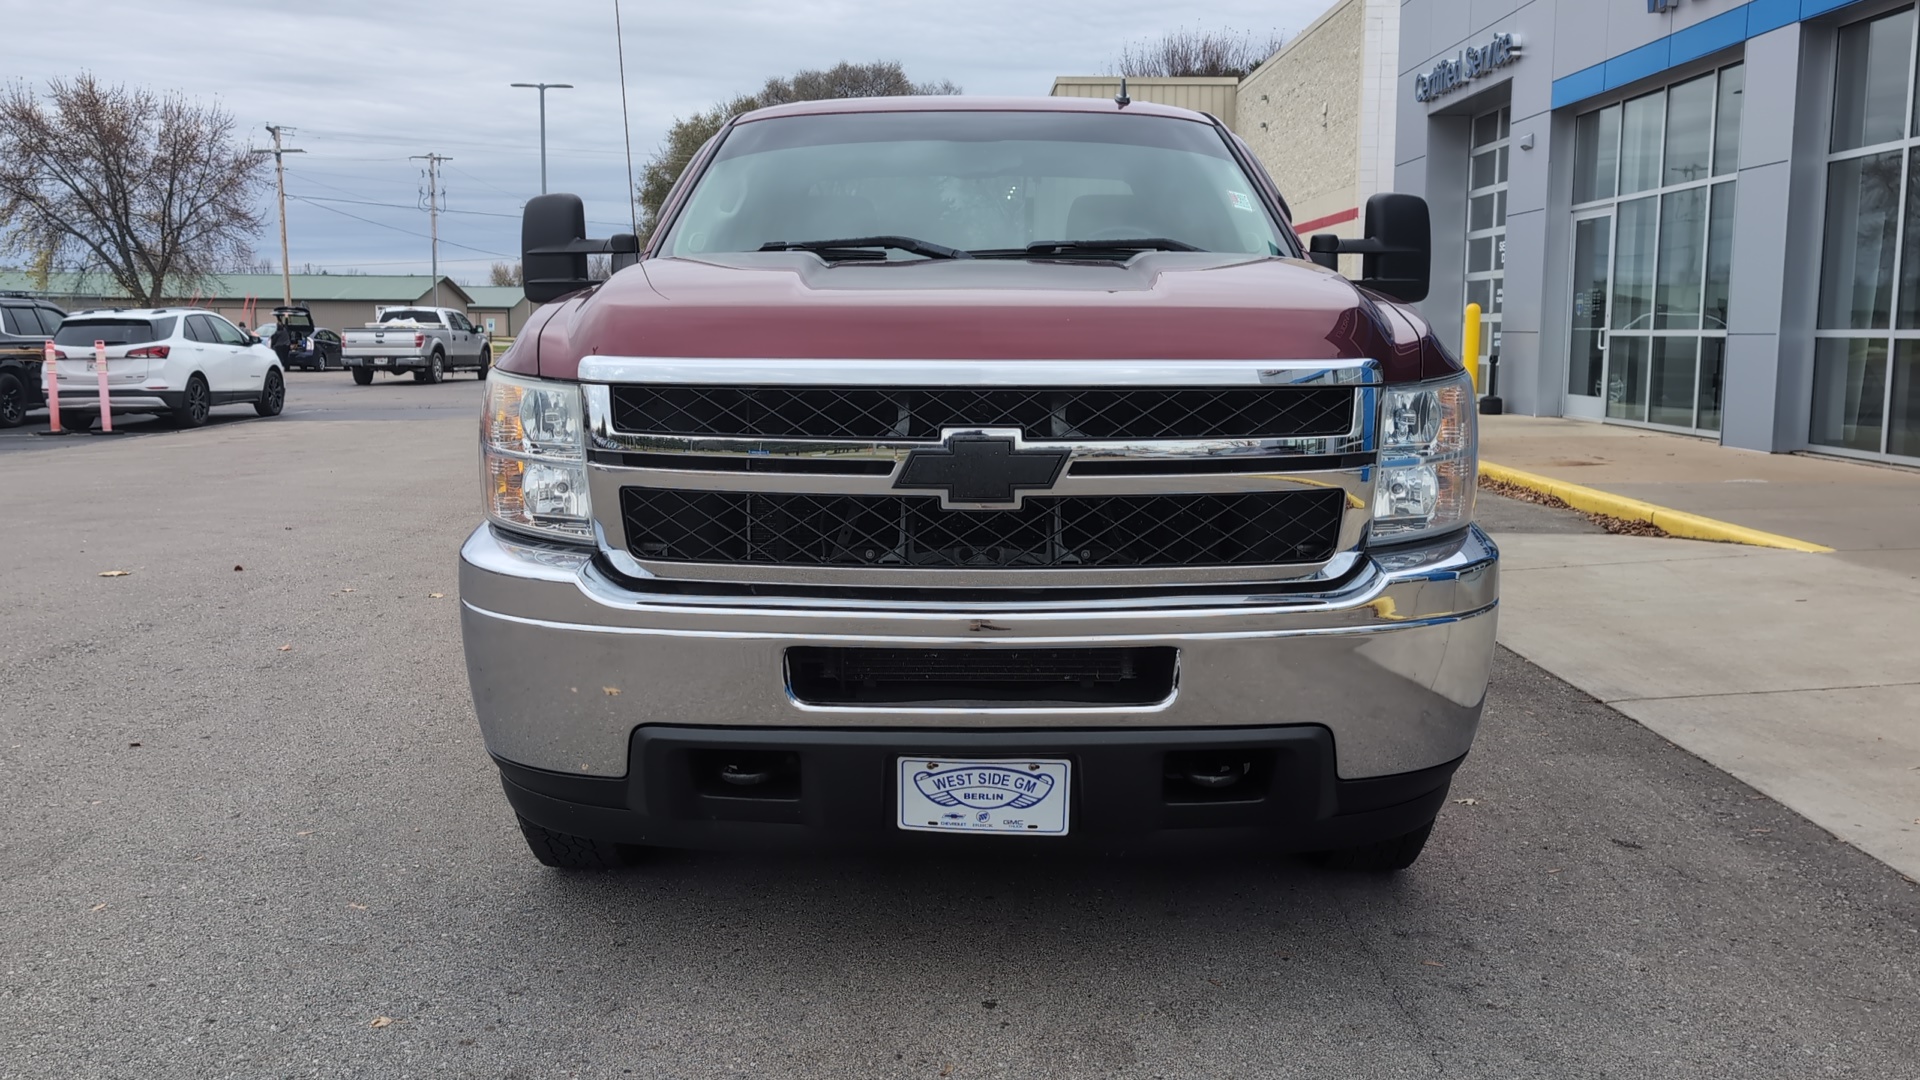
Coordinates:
(792, 471)
(1085, 532)
(921, 414)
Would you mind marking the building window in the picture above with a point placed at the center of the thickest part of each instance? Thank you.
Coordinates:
(1866, 362)
(1487, 224)
(1654, 193)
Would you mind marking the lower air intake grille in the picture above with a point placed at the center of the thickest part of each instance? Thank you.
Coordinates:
(832, 676)
(1054, 532)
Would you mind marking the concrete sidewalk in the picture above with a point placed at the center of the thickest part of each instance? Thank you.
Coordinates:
(1870, 514)
(1797, 673)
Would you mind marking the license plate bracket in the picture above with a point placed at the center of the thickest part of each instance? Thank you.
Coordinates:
(987, 797)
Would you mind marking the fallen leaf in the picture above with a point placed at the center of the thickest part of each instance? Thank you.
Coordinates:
(380, 1022)
(1466, 802)
(611, 691)
(346, 590)
(99, 907)
(115, 573)
(989, 1003)
(356, 907)
(1215, 981)
(1433, 963)
(308, 832)
(286, 648)
(436, 596)
(1556, 870)
(237, 568)
(948, 1071)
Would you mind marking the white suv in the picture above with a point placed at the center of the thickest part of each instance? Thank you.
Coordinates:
(177, 361)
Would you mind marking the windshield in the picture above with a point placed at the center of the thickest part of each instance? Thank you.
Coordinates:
(112, 331)
(411, 315)
(975, 181)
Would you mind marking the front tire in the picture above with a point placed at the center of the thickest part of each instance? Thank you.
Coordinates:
(13, 401)
(196, 404)
(1380, 857)
(362, 376)
(564, 851)
(273, 394)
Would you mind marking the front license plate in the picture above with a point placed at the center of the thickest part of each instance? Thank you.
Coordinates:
(1012, 797)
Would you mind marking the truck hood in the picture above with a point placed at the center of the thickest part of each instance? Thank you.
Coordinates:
(1169, 306)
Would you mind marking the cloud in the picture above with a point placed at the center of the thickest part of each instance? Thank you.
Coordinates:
(368, 84)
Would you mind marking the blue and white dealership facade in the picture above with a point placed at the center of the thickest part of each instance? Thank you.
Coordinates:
(1695, 215)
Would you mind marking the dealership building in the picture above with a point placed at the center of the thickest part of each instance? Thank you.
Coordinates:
(1692, 215)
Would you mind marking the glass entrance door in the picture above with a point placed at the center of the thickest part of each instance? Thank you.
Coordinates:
(1653, 193)
(1592, 286)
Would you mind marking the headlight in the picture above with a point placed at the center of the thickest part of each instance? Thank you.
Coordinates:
(534, 457)
(1429, 460)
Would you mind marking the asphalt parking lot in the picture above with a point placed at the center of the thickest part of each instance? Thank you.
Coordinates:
(250, 831)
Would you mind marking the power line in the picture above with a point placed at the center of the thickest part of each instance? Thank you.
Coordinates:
(484, 183)
(396, 228)
(403, 206)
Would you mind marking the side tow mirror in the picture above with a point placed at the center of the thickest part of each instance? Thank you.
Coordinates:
(1397, 252)
(554, 247)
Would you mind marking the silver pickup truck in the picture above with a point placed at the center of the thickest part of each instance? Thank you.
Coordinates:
(428, 341)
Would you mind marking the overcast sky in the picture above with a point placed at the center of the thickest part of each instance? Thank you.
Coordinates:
(368, 84)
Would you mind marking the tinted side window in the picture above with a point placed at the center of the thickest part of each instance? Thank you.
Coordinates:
(10, 320)
(198, 330)
(228, 334)
(50, 319)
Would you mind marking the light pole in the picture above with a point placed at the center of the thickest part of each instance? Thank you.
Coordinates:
(543, 87)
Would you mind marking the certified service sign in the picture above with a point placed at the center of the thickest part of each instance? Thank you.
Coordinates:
(1024, 798)
(1450, 75)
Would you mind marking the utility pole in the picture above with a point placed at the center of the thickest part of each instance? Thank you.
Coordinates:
(280, 185)
(433, 213)
(543, 88)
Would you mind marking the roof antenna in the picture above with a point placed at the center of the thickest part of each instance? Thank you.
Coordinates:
(1121, 99)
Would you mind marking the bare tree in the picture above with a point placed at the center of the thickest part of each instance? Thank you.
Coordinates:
(504, 274)
(146, 189)
(599, 267)
(883, 78)
(1186, 54)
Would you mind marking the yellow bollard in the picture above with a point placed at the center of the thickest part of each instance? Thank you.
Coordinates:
(1470, 345)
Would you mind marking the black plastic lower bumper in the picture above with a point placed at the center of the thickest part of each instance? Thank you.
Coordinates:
(1132, 790)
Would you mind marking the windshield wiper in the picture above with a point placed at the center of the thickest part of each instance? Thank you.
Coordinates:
(1041, 249)
(899, 243)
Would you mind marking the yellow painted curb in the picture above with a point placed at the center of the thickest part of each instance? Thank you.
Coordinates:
(1675, 522)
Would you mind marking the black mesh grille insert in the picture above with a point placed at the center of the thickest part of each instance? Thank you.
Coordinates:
(746, 412)
(1053, 532)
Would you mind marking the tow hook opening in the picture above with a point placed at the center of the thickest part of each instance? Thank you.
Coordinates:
(746, 774)
(1217, 776)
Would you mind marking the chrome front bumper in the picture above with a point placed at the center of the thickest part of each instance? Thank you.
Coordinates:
(566, 662)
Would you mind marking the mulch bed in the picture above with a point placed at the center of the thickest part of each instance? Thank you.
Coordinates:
(1620, 526)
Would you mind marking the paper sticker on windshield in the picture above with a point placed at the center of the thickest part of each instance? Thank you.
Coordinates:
(1241, 201)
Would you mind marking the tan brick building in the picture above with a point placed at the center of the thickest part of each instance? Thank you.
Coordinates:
(1319, 113)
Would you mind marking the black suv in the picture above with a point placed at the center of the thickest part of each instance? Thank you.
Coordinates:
(25, 326)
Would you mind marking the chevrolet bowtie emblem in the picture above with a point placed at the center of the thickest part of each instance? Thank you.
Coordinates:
(982, 469)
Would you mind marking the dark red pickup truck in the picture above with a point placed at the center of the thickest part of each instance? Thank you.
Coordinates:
(954, 471)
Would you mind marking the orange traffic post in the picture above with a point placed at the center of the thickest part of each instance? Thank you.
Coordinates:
(100, 366)
(50, 365)
(1470, 345)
